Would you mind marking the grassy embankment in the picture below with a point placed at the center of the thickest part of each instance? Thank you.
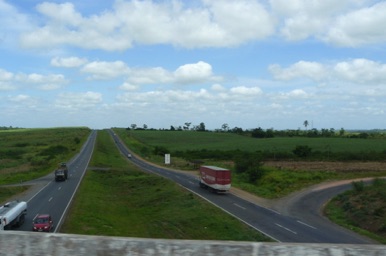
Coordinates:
(27, 154)
(362, 209)
(117, 199)
(275, 182)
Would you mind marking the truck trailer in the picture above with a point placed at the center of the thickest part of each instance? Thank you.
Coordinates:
(215, 178)
(61, 173)
(12, 214)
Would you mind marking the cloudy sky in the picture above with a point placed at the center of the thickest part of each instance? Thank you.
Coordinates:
(244, 63)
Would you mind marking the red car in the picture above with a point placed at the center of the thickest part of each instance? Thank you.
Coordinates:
(43, 223)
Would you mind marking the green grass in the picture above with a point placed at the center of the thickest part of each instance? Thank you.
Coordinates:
(275, 183)
(26, 154)
(120, 200)
(7, 192)
(192, 140)
(362, 210)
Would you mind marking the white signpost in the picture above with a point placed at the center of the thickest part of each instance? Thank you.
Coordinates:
(167, 158)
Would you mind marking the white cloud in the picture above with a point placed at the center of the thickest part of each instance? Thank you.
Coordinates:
(356, 71)
(128, 87)
(305, 18)
(105, 70)
(70, 62)
(11, 24)
(245, 91)
(344, 23)
(361, 71)
(192, 73)
(5, 80)
(22, 101)
(20, 98)
(301, 69)
(60, 13)
(218, 87)
(214, 24)
(10, 81)
(359, 27)
(43, 82)
(155, 75)
(75, 101)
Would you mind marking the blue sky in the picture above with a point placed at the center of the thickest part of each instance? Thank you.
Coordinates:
(244, 63)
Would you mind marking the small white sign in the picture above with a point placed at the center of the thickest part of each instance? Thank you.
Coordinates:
(167, 158)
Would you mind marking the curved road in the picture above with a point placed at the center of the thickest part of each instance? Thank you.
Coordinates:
(299, 222)
(302, 224)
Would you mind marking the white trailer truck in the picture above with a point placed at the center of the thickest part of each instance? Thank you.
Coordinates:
(12, 214)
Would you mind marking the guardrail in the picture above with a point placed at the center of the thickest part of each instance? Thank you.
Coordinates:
(31, 244)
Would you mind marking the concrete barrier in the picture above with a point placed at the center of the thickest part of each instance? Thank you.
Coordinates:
(31, 244)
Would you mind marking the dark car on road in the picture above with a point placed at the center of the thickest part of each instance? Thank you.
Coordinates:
(43, 223)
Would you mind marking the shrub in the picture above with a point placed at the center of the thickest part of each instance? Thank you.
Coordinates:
(302, 151)
(358, 186)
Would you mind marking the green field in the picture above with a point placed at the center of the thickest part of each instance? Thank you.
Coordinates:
(274, 183)
(117, 199)
(27, 154)
(192, 140)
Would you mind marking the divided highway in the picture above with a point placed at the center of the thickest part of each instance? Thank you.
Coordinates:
(300, 224)
(55, 197)
(279, 227)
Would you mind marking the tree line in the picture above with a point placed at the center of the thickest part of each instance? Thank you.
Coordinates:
(271, 133)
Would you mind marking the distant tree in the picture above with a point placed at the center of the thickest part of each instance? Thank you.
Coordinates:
(172, 128)
(133, 126)
(187, 125)
(270, 133)
(225, 127)
(145, 126)
(341, 132)
(201, 127)
(258, 133)
(237, 130)
(305, 123)
(313, 132)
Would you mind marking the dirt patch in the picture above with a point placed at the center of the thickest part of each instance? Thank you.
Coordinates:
(329, 166)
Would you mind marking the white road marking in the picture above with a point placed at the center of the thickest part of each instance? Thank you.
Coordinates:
(286, 228)
(59, 188)
(240, 206)
(278, 213)
(49, 200)
(305, 224)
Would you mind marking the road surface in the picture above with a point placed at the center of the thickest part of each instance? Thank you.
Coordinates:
(54, 197)
(301, 224)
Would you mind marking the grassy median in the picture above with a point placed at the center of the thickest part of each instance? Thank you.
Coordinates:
(117, 199)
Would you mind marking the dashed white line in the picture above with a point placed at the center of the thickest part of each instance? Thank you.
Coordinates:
(305, 224)
(49, 200)
(286, 228)
(60, 188)
(240, 206)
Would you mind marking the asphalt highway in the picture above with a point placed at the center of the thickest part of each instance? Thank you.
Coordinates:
(55, 197)
(304, 224)
(301, 223)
